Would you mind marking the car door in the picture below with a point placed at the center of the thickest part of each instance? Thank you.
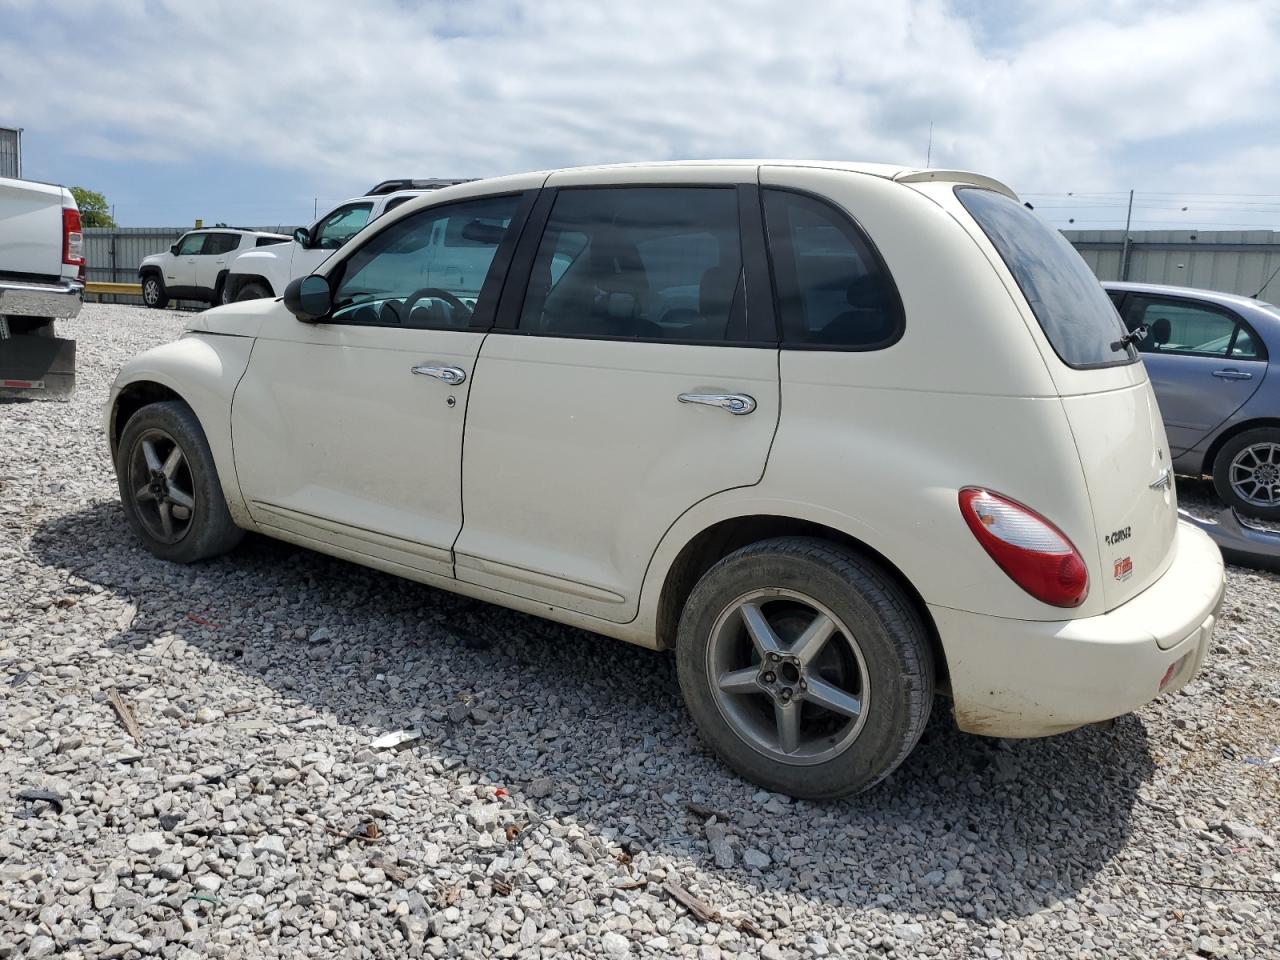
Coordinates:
(329, 234)
(213, 259)
(1204, 362)
(348, 432)
(633, 373)
(180, 267)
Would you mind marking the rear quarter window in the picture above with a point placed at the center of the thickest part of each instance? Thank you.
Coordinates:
(1073, 310)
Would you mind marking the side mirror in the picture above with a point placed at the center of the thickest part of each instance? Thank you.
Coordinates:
(309, 298)
(302, 237)
(173, 248)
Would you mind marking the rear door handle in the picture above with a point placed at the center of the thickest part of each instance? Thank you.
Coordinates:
(739, 404)
(450, 375)
(1232, 374)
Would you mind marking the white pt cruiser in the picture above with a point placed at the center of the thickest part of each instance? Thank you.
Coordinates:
(841, 435)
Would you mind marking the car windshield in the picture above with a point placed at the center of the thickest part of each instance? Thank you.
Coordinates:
(1074, 311)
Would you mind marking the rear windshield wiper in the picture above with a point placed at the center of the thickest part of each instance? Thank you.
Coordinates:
(1134, 336)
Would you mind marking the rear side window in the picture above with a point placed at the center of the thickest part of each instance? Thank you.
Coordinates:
(222, 243)
(1073, 310)
(646, 263)
(1184, 326)
(833, 289)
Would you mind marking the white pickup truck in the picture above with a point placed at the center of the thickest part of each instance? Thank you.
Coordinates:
(41, 279)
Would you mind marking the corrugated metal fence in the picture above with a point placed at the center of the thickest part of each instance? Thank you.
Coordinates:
(1232, 261)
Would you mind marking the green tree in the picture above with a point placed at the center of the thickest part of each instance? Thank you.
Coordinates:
(94, 209)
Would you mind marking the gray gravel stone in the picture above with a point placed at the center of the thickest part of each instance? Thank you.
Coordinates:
(541, 803)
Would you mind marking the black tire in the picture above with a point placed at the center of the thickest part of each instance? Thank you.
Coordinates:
(1259, 439)
(892, 638)
(210, 531)
(154, 295)
(253, 290)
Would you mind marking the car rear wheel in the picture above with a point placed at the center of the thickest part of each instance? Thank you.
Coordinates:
(1246, 473)
(253, 291)
(170, 490)
(805, 667)
(154, 294)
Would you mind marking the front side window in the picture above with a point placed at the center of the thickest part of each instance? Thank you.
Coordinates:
(833, 290)
(1073, 310)
(1185, 327)
(340, 226)
(651, 263)
(192, 244)
(427, 270)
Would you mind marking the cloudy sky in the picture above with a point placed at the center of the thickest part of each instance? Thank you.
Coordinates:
(258, 113)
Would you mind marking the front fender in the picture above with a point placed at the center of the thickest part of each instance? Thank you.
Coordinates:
(203, 371)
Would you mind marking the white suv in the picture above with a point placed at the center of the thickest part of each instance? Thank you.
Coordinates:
(195, 267)
(265, 273)
(842, 436)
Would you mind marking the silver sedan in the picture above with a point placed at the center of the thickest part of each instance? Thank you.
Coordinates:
(1209, 356)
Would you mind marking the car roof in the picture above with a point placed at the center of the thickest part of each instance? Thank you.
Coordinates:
(631, 172)
(248, 230)
(1195, 293)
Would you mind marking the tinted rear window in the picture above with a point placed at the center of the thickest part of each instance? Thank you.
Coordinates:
(1074, 311)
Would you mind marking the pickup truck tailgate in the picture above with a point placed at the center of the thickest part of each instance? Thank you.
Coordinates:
(30, 228)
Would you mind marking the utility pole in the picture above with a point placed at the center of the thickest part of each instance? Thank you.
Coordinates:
(1124, 250)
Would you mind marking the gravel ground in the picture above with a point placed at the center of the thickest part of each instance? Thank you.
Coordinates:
(554, 784)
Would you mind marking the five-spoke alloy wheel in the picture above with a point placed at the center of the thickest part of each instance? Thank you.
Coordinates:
(161, 481)
(789, 675)
(805, 666)
(169, 487)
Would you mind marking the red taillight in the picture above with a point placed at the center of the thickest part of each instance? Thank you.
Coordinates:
(72, 238)
(1035, 554)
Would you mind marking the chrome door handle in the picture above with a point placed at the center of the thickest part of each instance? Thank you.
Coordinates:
(739, 404)
(1231, 374)
(450, 375)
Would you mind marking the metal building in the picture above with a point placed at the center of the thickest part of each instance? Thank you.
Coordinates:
(10, 152)
(1232, 261)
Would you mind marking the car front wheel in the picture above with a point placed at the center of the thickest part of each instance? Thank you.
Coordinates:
(154, 294)
(1246, 473)
(805, 667)
(169, 487)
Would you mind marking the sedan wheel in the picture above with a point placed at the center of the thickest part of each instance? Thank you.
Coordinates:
(1255, 474)
(1246, 473)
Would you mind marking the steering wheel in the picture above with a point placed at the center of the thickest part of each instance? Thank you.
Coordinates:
(458, 308)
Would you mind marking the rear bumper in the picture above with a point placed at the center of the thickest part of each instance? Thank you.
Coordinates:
(1021, 678)
(60, 301)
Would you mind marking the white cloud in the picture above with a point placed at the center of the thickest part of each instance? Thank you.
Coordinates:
(1051, 96)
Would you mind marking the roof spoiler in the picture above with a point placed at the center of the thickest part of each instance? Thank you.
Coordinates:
(954, 176)
(392, 186)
